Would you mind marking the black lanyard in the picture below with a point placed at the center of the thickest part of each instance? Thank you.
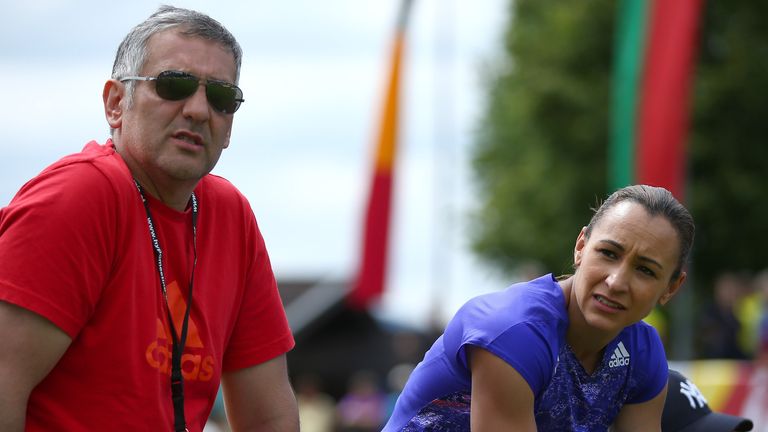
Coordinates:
(177, 380)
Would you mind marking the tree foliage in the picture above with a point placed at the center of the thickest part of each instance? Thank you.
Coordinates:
(540, 159)
(541, 148)
(728, 171)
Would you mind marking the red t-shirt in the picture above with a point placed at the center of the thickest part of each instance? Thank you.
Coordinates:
(75, 248)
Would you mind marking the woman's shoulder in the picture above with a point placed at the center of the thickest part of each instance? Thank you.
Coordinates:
(642, 340)
(642, 333)
(536, 307)
(537, 299)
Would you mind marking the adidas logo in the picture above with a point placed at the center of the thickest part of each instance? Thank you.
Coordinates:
(158, 353)
(620, 356)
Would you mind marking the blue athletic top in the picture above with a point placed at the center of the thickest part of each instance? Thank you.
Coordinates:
(525, 325)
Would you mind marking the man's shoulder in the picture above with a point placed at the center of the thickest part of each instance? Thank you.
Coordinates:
(92, 152)
(96, 159)
(96, 173)
(218, 184)
(216, 189)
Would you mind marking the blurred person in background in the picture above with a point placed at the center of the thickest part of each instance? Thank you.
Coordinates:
(568, 353)
(719, 327)
(686, 410)
(133, 282)
(761, 288)
(317, 410)
(362, 408)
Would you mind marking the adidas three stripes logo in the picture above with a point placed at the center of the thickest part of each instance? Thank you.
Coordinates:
(620, 356)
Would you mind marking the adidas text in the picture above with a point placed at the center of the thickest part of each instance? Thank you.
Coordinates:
(619, 362)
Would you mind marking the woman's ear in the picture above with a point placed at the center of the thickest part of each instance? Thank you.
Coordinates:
(674, 287)
(113, 95)
(578, 249)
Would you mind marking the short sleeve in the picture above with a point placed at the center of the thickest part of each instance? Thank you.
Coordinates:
(525, 348)
(57, 240)
(261, 331)
(512, 329)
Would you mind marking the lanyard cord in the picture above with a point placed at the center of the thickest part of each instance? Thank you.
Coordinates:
(177, 380)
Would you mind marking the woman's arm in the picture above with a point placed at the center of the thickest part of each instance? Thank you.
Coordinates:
(501, 398)
(643, 417)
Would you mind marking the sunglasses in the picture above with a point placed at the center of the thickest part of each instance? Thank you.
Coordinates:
(175, 85)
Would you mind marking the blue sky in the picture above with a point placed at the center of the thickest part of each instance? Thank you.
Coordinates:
(313, 77)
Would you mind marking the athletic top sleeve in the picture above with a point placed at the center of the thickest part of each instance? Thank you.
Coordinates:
(530, 315)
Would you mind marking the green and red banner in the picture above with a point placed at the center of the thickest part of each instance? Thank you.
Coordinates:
(655, 50)
(371, 277)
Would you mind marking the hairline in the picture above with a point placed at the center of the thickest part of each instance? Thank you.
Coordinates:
(668, 211)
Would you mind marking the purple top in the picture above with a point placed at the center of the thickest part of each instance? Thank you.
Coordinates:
(525, 326)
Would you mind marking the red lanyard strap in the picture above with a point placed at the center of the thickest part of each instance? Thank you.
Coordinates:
(177, 379)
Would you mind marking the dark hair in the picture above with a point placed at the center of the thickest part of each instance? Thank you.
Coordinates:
(657, 201)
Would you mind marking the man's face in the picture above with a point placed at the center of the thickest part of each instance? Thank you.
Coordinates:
(176, 142)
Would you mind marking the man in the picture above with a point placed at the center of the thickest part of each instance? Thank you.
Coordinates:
(133, 282)
(686, 410)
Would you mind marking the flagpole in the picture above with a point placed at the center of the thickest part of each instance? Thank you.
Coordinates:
(444, 162)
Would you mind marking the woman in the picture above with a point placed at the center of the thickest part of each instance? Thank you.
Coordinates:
(565, 354)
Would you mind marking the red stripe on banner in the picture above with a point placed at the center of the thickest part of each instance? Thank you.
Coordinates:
(373, 261)
(663, 118)
(740, 391)
(373, 267)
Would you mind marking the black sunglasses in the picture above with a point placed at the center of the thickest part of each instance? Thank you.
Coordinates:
(175, 85)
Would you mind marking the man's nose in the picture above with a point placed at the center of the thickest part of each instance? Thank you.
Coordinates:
(196, 106)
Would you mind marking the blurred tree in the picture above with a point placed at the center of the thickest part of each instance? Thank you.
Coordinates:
(728, 171)
(541, 148)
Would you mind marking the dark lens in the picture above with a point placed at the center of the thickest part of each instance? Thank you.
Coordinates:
(223, 97)
(173, 85)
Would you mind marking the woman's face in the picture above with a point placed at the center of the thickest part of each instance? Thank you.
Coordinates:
(625, 267)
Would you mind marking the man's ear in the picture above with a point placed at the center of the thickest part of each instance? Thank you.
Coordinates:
(113, 95)
(674, 287)
(578, 249)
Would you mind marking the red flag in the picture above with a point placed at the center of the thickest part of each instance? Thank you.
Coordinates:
(373, 265)
(663, 116)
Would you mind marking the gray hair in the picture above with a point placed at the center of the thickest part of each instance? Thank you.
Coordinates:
(657, 201)
(132, 52)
